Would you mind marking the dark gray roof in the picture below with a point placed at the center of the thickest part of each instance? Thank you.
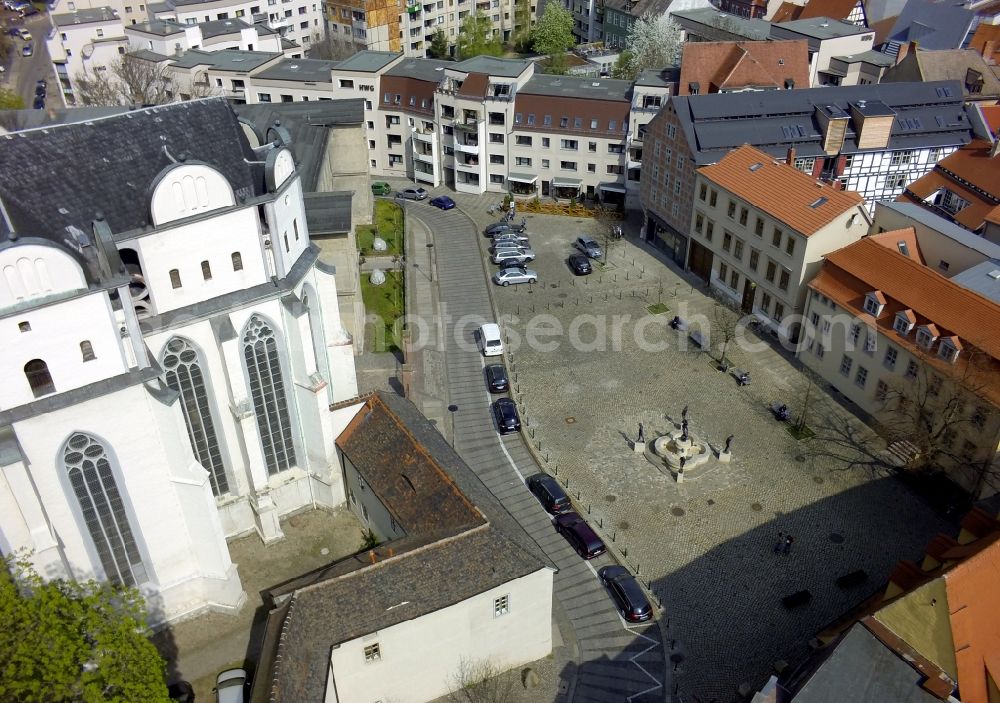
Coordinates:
(493, 66)
(640, 8)
(983, 278)
(873, 57)
(731, 24)
(368, 61)
(861, 670)
(59, 177)
(329, 213)
(659, 77)
(946, 227)
(17, 120)
(421, 69)
(305, 70)
(573, 87)
(934, 25)
(474, 540)
(160, 28)
(308, 124)
(928, 114)
(147, 55)
(818, 28)
(85, 16)
(229, 60)
(218, 28)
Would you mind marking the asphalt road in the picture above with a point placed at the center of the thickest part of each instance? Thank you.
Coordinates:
(22, 72)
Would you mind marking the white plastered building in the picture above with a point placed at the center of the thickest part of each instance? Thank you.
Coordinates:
(170, 357)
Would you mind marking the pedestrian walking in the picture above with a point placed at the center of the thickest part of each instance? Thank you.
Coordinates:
(780, 543)
(788, 544)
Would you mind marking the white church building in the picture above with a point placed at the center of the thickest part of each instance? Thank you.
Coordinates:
(172, 346)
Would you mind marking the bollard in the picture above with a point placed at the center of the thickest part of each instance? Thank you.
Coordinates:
(613, 536)
(626, 275)
(625, 552)
(566, 482)
(637, 568)
(600, 522)
(588, 508)
(546, 457)
(532, 431)
(555, 469)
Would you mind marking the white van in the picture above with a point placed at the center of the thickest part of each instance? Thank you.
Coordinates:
(489, 339)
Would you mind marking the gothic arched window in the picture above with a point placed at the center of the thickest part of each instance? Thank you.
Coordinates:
(90, 474)
(182, 368)
(267, 390)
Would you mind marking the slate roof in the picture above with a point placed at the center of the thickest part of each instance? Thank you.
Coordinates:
(420, 479)
(115, 161)
(715, 66)
(306, 70)
(574, 87)
(790, 196)
(218, 28)
(942, 225)
(755, 30)
(492, 66)
(229, 60)
(983, 278)
(934, 25)
(421, 69)
(161, 28)
(308, 125)
(820, 28)
(85, 16)
(775, 120)
(947, 64)
(659, 77)
(368, 61)
(328, 213)
(860, 669)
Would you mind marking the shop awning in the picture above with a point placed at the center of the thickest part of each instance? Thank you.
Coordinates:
(522, 177)
(613, 187)
(566, 182)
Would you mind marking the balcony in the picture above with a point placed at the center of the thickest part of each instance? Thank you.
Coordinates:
(427, 158)
(467, 167)
(468, 124)
(472, 148)
(424, 135)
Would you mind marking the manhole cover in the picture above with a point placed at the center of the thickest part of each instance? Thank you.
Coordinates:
(676, 658)
(623, 525)
(563, 295)
(554, 285)
(677, 512)
(756, 507)
(452, 408)
(570, 420)
(610, 498)
(324, 551)
(711, 502)
(800, 458)
(817, 479)
(836, 538)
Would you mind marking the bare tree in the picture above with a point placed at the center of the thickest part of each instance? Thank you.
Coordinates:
(724, 325)
(481, 681)
(333, 50)
(133, 80)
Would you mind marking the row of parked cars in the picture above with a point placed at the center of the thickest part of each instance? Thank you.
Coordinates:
(511, 249)
(623, 587)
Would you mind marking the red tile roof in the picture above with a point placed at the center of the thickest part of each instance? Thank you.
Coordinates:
(986, 33)
(834, 9)
(782, 191)
(786, 12)
(717, 66)
(474, 86)
(974, 604)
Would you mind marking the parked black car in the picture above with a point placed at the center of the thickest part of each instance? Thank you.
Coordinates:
(505, 411)
(501, 227)
(580, 535)
(550, 493)
(627, 593)
(39, 103)
(580, 264)
(496, 378)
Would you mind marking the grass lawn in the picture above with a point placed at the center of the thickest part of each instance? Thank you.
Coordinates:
(387, 302)
(657, 308)
(388, 225)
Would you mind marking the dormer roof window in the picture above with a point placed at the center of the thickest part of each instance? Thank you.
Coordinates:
(926, 334)
(949, 349)
(905, 320)
(874, 303)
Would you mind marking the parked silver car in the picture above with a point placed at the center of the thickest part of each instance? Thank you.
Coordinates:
(589, 246)
(513, 256)
(508, 245)
(412, 194)
(514, 237)
(514, 275)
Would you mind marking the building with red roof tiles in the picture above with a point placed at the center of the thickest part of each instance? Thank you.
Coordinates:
(722, 67)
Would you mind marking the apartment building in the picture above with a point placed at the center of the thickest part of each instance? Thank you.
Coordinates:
(871, 139)
(616, 17)
(217, 73)
(299, 21)
(84, 43)
(588, 18)
(827, 38)
(169, 38)
(130, 11)
(760, 230)
(895, 337)
(728, 67)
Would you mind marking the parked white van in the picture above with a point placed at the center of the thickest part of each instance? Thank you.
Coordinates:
(489, 339)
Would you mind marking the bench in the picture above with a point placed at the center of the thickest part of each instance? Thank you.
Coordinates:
(698, 339)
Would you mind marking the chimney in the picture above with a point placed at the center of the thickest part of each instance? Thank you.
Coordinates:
(790, 158)
(988, 48)
(905, 49)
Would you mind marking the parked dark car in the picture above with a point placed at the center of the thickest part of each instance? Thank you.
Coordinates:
(502, 227)
(550, 493)
(496, 378)
(39, 103)
(580, 535)
(381, 188)
(627, 593)
(181, 692)
(39, 91)
(505, 411)
(580, 264)
(443, 202)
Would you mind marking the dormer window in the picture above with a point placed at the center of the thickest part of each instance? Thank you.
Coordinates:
(905, 319)
(874, 302)
(949, 349)
(926, 335)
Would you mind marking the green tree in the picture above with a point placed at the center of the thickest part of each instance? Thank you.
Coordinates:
(522, 26)
(553, 35)
(9, 100)
(68, 642)
(439, 46)
(476, 38)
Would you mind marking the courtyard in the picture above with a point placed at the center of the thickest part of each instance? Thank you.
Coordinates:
(589, 363)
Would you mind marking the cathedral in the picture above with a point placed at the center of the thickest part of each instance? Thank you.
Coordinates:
(172, 347)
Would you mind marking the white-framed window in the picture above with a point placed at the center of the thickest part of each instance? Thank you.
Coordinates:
(861, 378)
(948, 351)
(872, 303)
(871, 340)
(373, 653)
(501, 605)
(845, 365)
(855, 332)
(925, 338)
(902, 323)
(891, 354)
(911, 369)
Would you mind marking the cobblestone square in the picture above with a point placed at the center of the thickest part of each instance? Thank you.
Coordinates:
(704, 545)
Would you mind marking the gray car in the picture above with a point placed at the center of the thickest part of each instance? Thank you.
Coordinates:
(513, 275)
(513, 256)
(512, 237)
(412, 194)
(589, 246)
(503, 246)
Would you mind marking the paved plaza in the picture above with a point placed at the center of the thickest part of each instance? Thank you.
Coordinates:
(705, 545)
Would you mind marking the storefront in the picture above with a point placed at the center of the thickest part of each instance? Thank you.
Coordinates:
(612, 195)
(566, 188)
(522, 184)
(664, 238)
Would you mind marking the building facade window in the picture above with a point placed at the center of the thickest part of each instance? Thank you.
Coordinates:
(206, 270)
(39, 378)
(501, 606)
(87, 350)
(861, 378)
(88, 467)
(237, 259)
(175, 278)
(373, 653)
(891, 354)
(183, 373)
(267, 388)
(845, 365)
